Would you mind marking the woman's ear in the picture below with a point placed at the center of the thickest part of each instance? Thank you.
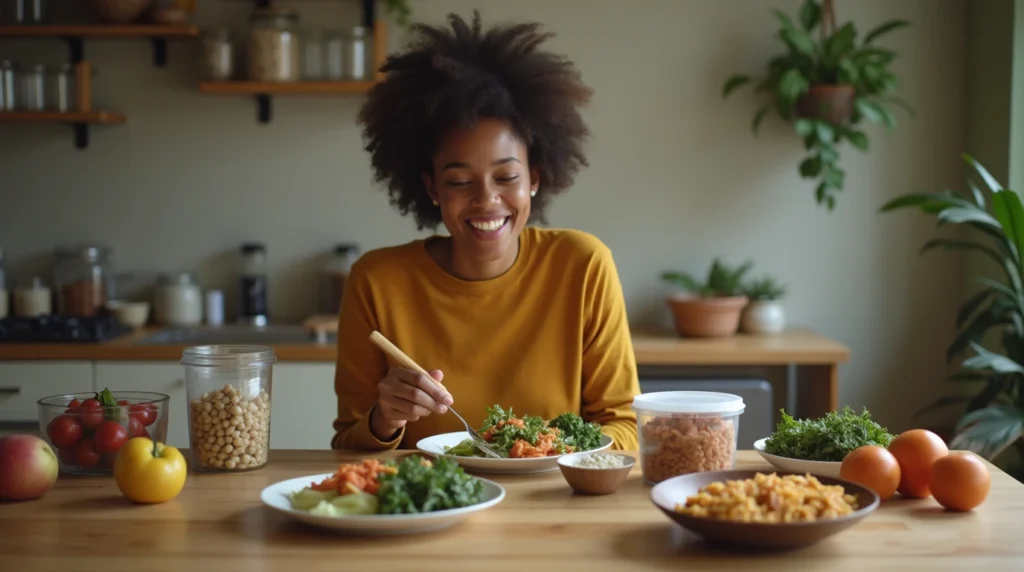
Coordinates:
(428, 184)
(534, 181)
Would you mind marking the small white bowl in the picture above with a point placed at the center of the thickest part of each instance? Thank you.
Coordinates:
(817, 468)
(131, 314)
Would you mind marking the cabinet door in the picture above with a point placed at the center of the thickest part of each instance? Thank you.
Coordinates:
(162, 377)
(23, 383)
(303, 406)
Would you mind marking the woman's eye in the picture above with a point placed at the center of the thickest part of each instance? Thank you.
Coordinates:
(508, 179)
(459, 183)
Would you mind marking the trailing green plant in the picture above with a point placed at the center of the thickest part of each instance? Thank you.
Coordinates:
(833, 58)
(764, 289)
(993, 419)
(399, 10)
(721, 280)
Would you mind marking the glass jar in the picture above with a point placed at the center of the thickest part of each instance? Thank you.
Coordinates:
(60, 88)
(356, 61)
(312, 56)
(334, 55)
(8, 100)
(83, 279)
(32, 300)
(218, 55)
(273, 47)
(228, 388)
(178, 300)
(33, 88)
(253, 285)
(336, 275)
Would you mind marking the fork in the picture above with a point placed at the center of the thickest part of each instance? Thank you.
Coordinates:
(392, 350)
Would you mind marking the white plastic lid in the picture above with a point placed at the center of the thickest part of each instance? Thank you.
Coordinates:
(688, 402)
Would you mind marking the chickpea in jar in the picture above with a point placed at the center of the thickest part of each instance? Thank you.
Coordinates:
(228, 431)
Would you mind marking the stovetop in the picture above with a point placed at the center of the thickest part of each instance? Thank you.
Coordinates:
(61, 329)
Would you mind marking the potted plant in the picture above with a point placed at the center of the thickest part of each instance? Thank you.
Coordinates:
(764, 314)
(825, 85)
(399, 9)
(708, 309)
(992, 423)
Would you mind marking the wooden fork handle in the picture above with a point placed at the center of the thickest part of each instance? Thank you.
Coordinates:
(398, 355)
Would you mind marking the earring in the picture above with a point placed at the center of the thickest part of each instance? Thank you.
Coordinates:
(533, 193)
(435, 203)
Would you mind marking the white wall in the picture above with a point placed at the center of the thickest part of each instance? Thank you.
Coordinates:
(676, 175)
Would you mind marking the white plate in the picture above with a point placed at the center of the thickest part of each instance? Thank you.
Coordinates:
(435, 446)
(276, 497)
(819, 468)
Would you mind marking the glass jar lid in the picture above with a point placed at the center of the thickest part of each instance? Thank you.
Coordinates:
(228, 356)
(88, 252)
(182, 278)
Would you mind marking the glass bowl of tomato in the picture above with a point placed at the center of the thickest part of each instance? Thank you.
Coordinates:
(88, 429)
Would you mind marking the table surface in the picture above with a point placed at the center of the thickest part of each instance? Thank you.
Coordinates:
(218, 523)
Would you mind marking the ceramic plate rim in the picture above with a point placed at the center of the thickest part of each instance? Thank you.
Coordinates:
(265, 498)
(857, 514)
(759, 447)
(606, 443)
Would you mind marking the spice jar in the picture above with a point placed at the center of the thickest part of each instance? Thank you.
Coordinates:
(337, 272)
(32, 300)
(228, 388)
(273, 47)
(218, 55)
(82, 279)
(178, 300)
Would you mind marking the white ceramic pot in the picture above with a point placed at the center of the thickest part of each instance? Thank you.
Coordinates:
(764, 317)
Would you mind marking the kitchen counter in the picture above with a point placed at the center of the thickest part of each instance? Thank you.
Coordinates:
(218, 523)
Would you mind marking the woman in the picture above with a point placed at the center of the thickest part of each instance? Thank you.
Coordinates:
(477, 130)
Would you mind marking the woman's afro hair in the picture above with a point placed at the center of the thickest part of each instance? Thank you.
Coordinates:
(450, 78)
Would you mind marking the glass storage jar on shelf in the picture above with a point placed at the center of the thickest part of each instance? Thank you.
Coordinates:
(60, 88)
(178, 300)
(218, 51)
(83, 279)
(273, 47)
(33, 88)
(312, 55)
(357, 55)
(228, 388)
(8, 86)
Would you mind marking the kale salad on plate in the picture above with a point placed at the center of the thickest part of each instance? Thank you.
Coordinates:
(829, 438)
(531, 436)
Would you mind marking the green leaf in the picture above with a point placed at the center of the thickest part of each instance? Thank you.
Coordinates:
(931, 203)
(810, 167)
(954, 244)
(840, 43)
(850, 73)
(835, 177)
(799, 41)
(993, 184)
(803, 127)
(997, 286)
(989, 431)
(884, 29)
(858, 139)
(1007, 208)
(810, 15)
(972, 304)
(734, 83)
(986, 360)
(987, 396)
(973, 331)
(979, 198)
(683, 280)
(869, 110)
(970, 214)
(825, 131)
(791, 86)
(755, 125)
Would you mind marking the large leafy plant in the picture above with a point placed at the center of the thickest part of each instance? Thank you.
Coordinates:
(823, 64)
(993, 419)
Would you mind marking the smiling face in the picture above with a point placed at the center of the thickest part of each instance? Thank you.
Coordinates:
(482, 184)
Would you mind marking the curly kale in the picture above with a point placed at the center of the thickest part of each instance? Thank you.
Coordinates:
(828, 438)
(419, 487)
(576, 432)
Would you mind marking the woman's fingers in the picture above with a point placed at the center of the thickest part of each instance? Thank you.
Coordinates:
(437, 392)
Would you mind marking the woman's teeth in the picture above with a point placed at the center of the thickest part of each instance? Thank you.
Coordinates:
(489, 225)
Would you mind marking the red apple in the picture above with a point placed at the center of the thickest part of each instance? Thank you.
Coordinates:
(28, 467)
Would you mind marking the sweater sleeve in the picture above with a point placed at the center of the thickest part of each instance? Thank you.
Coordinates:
(610, 378)
(360, 366)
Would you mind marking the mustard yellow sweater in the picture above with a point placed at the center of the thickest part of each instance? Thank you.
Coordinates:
(548, 336)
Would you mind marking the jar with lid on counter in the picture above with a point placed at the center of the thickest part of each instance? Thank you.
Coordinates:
(178, 300)
(82, 279)
(228, 388)
(32, 300)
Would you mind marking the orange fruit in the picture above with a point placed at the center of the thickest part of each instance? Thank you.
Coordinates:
(873, 467)
(916, 450)
(960, 481)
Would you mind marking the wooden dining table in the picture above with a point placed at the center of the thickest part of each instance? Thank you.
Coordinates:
(219, 524)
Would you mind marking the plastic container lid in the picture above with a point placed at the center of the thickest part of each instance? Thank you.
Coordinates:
(688, 402)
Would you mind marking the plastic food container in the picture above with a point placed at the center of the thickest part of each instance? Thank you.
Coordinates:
(87, 435)
(228, 388)
(683, 432)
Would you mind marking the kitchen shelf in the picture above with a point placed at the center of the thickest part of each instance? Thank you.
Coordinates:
(78, 120)
(294, 88)
(76, 34)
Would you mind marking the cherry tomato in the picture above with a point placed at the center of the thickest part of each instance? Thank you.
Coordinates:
(135, 427)
(64, 431)
(92, 413)
(67, 456)
(122, 402)
(86, 454)
(110, 436)
(145, 413)
(74, 403)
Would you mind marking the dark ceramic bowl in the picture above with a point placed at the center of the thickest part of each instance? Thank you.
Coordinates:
(670, 492)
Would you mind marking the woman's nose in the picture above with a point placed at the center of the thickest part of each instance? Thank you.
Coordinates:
(485, 193)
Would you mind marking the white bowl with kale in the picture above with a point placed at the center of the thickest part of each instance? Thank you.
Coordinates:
(818, 446)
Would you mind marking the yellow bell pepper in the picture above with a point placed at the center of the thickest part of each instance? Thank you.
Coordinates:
(149, 472)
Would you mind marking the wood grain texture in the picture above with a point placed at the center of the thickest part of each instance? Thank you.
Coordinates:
(802, 347)
(99, 31)
(218, 523)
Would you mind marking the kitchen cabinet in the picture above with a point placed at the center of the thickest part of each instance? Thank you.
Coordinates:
(23, 383)
(303, 405)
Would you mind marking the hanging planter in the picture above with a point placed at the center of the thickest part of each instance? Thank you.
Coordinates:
(826, 85)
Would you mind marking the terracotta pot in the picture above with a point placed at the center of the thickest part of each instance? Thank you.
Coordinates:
(832, 103)
(697, 317)
(763, 317)
(118, 11)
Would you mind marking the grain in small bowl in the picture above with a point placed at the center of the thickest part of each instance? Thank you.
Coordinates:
(595, 473)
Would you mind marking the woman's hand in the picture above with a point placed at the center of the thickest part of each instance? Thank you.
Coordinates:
(406, 395)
